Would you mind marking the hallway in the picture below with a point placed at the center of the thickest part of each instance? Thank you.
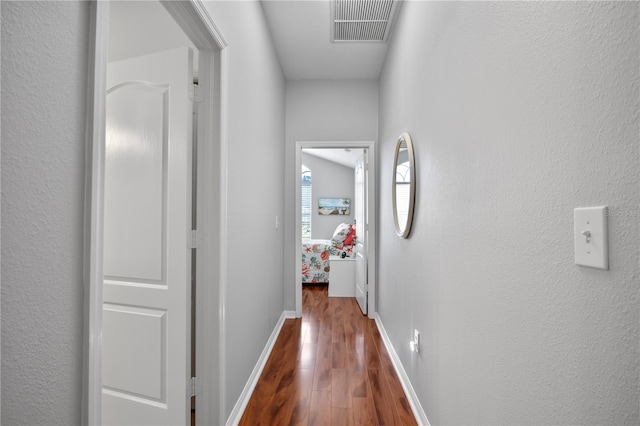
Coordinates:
(328, 368)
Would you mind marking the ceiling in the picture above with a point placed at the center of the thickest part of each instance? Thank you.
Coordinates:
(301, 31)
(346, 157)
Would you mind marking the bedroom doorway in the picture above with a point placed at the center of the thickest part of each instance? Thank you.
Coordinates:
(361, 210)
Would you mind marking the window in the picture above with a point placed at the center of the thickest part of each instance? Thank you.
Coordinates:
(403, 190)
(306, 203)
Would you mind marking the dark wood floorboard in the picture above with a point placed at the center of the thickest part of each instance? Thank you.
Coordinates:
(329, 367)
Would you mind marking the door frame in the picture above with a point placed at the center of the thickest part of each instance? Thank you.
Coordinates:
(197, 24)
(371, 211)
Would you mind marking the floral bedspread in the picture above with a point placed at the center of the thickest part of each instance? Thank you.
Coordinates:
(315, 259)
(315, 262)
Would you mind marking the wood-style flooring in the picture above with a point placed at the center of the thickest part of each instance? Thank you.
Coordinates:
(329, 367)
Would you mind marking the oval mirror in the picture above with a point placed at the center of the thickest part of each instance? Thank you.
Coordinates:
(404, 185)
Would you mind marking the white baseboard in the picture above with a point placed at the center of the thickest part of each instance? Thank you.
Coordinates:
(243, 400)
(416, 407)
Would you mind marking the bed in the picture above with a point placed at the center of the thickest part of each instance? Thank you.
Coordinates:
(316, 254)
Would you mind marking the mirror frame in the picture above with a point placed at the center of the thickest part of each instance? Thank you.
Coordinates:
(404, 233)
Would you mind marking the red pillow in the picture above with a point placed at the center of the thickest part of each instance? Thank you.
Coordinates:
(348, 241)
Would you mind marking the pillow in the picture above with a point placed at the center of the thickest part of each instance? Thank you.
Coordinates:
(341, 232)
(351, 237)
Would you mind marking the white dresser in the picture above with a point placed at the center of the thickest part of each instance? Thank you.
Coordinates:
(342, 277)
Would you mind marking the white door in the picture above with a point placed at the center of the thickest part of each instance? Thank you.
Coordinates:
(147, 260)
(361, 232)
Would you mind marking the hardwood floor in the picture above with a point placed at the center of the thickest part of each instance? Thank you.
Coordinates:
(328, 368)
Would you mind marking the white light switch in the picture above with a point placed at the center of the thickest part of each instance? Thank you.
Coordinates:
(590, 236)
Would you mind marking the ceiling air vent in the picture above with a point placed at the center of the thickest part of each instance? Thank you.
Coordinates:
(362, 20)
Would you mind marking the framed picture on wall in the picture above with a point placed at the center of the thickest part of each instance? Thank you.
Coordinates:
(337, 206)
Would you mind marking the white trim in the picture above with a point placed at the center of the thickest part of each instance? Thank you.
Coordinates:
(245, 396)
(208, 256)
(298, 231)
(223, 241)
(93, 214)
(198, 25)
(412, 397)
(372, 252)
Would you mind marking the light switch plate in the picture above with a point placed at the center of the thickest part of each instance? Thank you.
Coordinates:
(591, 237)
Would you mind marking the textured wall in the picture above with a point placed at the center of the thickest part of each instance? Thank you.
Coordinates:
(330, 180)
(44, 58)
(322, 110)
(519, 113)
(254, 299)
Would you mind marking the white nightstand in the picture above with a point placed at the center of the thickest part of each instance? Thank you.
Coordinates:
(342, 277)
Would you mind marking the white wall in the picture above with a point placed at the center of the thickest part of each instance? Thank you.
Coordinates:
(519, 113)
(256, 96)
(44, 67)
(321, 110)
(149, 24)
(329, 180)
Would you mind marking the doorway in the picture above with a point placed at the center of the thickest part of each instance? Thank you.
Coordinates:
(199, 28)
(369, 217)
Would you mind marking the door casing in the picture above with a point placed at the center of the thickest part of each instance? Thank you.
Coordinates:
(198, 25)
(371, 211)
(361, 177)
